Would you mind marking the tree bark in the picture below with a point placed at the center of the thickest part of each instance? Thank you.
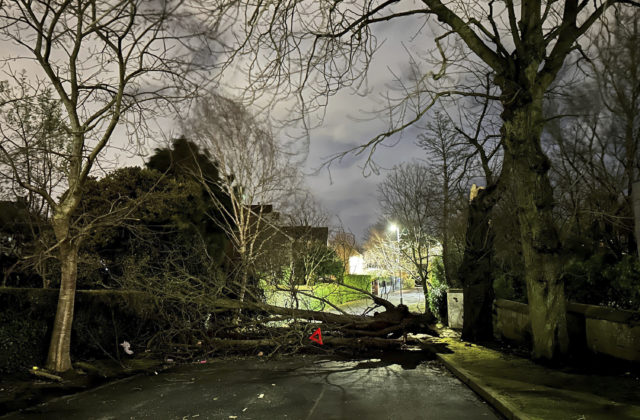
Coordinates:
(521, 132)
(446, 261)
(475, 271)
(635, 199)
(59, 356)
(425, 292)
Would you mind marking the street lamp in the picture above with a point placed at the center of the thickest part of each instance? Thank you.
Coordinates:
(395, 227)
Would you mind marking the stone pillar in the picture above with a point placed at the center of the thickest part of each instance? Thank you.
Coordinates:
(455, 308)
(635, 199)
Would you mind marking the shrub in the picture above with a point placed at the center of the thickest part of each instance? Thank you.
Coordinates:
(602, 279)
(102, 319)
(334, 293)
(438, 290)
(408, 283)
(361, 281)
(506, 286)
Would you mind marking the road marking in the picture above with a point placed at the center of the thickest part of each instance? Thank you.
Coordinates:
(316, 403)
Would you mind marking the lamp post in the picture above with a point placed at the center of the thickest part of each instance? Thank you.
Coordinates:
(395, 227)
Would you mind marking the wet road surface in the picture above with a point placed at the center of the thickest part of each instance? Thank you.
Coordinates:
(388, 386)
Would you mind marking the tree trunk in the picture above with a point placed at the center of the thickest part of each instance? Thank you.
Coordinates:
(446, 261)
(59, 356)
(393, 319)
(475, 271)
(635, 199)
(425, 291)
(521, 132)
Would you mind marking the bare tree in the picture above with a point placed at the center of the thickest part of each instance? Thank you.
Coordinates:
(596, 148)
(617, 73)
(302, 209)
(448, 155)
(306, 226)
(411, 256)
(32, 130)
(345, 245)
(110, 64)
(254, 174)
(478, 126)
(298, 252)
(329, 46)
(410, 196)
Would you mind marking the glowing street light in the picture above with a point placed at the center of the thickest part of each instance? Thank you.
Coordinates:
(396, 228)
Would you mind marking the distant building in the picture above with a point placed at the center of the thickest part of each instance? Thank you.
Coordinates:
(310, 233)
(357, 265)
(279, 247)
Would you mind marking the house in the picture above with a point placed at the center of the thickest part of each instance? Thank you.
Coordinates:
(356, 265)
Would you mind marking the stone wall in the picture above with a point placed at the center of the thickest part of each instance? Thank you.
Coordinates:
(597, 329)
(511, 320)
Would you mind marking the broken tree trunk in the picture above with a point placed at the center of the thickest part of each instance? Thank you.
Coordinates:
(190, 329)
(475, 272)
(395, 319)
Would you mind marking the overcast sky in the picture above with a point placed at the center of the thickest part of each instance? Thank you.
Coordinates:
(346, 192)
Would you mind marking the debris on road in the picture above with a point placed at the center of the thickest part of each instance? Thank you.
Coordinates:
(127, 347)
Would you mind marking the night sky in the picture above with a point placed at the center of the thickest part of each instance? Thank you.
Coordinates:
(346, 192)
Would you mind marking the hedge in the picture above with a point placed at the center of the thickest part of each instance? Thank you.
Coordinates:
(333, 292)
(337, 294)
(102, 319)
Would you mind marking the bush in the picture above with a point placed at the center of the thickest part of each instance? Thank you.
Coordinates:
(361, 281)
(506, 286)
(408, 283)
(102, 319)
(335, 293)
(604, 280)
(438, 290)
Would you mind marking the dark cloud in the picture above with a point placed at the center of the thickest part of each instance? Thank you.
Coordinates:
(343, 189)
(348, 190)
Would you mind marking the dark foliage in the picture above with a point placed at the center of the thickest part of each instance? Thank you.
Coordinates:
(103, 320)
(155, 218)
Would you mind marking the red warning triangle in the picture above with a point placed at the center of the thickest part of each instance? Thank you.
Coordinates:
(316, 336)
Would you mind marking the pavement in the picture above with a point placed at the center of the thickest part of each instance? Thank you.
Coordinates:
(389, 386)
(521, 389)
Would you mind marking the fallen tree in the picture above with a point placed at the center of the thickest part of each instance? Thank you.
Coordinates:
(281, 329)
(201, 320)
(394, 319)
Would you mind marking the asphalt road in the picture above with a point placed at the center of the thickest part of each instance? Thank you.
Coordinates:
(413, 298)
(394, 386)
